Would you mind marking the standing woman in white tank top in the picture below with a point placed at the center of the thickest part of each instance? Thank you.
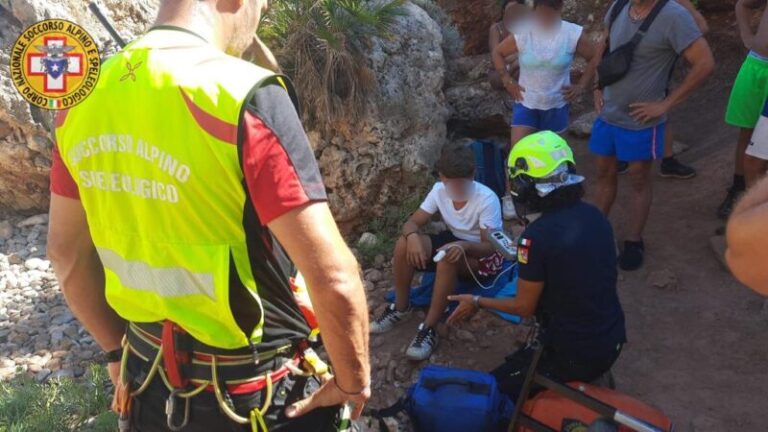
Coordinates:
(546, 46)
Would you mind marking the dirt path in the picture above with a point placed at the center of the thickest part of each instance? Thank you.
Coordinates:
(698, 347)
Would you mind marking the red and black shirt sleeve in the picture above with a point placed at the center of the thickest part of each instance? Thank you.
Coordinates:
(280, 168)
(280, 174)
(62, 182)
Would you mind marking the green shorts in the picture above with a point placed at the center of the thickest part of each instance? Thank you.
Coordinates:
(749, 93)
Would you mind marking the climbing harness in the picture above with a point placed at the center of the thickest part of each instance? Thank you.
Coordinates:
(205, 369)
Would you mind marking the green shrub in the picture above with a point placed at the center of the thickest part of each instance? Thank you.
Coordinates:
(320, 45)
(387, 230)
(59, 405)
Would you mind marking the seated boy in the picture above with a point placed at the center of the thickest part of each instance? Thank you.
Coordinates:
(470, 210)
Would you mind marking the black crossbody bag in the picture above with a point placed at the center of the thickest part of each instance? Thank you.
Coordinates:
(616, 64)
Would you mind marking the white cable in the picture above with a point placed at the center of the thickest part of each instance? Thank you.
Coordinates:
(471, 273)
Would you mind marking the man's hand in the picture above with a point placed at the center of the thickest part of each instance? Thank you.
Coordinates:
(514, 89)
(327, 395)
(645, 112)
(453, 251)
(599, 101)
(464, 311)
(415, 252)
(573, 93)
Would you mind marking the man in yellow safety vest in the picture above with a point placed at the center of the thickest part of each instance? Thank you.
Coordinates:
(183, 190)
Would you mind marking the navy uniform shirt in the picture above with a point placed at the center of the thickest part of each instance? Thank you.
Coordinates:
(572, 250)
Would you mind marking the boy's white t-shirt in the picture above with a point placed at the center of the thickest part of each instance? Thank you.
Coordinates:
(545, 57)
(483, 210)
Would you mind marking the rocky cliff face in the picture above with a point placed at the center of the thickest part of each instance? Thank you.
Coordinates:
(384, 158)
(25, 144)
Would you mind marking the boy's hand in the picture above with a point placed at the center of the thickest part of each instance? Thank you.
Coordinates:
(453, 251)
(465, 310)
(416, 253)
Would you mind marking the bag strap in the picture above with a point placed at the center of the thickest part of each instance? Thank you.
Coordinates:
(618, 6)
(651, 17)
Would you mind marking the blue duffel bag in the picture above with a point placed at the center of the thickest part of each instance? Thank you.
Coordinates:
(454, 400)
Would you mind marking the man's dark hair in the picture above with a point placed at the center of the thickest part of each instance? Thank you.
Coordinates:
(559, 198)
(456, 161)
(554, 4)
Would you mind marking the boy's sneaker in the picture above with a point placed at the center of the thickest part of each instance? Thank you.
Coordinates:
(631, 257)
(672, 168)
(508, 208)
(388, 319)
(725, 209)
(423, 344)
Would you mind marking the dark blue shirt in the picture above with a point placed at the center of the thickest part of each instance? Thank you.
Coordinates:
(572, 250)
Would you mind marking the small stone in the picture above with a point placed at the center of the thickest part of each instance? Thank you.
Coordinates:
(374, 275)
(6, 230)
(62, 318)
(34, 220)
(62, 373)
(369, 286)
(15, 259)
(380, 261)
(663, 279)
(465, 336)
(367, 240)
(42, 374)
(37, 264)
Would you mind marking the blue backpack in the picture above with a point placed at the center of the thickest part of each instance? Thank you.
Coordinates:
(490, 166)
(454, 400)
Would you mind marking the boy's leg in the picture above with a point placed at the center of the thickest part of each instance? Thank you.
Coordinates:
(404, 271)
(446, 279)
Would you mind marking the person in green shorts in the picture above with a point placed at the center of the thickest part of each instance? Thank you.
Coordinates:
(748, 96)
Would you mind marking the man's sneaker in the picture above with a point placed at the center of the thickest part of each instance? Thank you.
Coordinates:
(388, 319)
(631, 257)
(622, 167)
(508, 208)
(672, 168)
(423, 344)
(725, 209)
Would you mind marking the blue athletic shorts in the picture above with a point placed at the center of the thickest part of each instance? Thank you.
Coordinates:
(627, 144)
(555, 120)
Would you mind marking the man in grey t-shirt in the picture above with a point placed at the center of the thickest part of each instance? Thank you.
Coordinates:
(633, 111)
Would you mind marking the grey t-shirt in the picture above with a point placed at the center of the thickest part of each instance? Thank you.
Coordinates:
(673, 31)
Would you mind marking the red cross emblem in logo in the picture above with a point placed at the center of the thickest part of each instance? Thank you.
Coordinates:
(55, 63)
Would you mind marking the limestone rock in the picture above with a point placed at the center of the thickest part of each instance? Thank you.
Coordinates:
(367, 240)
(384, 158)
(582, 126)
(25, 142)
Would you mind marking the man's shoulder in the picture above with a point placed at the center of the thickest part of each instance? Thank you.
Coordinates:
(673, 12)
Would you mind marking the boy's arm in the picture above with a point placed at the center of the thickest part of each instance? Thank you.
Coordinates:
(479, 250)
(417, 220)
(744, 10)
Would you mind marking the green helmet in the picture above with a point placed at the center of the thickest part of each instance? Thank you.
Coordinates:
(539, 155)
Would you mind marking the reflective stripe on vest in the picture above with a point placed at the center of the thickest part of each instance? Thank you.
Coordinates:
(144, 150)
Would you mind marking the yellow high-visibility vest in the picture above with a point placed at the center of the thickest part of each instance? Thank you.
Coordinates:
(154, 154)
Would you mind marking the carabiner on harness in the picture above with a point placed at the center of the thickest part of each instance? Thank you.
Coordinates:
(170, 409)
